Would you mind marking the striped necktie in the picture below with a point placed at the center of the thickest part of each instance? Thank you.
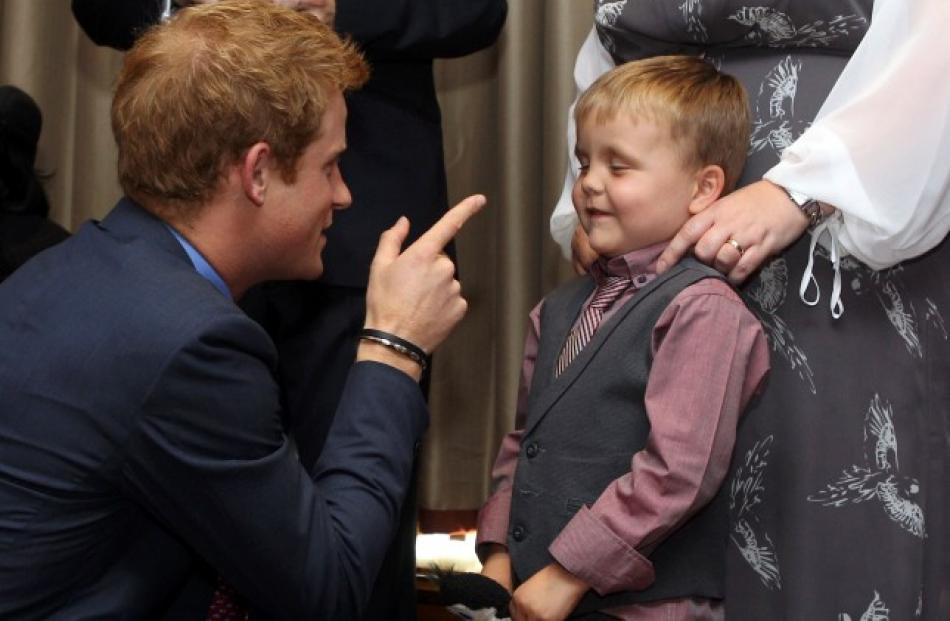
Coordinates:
(606, 294)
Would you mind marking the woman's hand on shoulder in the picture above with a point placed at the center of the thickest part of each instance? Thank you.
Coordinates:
(740, 231)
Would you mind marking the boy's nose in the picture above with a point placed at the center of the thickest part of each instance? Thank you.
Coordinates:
(591, 184)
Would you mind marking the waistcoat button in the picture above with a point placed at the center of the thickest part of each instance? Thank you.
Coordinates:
(532, 450)
(518, 533)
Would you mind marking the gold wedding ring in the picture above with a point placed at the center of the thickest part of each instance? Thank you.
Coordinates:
(736, 245)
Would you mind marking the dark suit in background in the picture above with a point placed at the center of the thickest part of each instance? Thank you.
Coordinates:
(141, 427)
(394, 166)
(24, 227)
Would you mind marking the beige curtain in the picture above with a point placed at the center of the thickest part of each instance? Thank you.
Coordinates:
(504, 112)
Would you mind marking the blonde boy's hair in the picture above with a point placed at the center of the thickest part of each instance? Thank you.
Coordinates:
(194, 94)
(707, 111)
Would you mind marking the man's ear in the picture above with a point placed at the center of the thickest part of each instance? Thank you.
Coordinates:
(256, 168)
(710, 181)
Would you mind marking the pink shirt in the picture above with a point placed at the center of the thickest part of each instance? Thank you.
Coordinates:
(710, 356)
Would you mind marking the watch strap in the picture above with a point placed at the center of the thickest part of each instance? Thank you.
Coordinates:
(808, 206)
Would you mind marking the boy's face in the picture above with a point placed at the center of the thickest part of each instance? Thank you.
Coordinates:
(633, 190)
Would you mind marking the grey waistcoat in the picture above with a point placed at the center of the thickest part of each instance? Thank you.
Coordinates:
(582, 430)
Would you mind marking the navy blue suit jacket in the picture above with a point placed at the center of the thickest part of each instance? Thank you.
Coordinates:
(141, 434)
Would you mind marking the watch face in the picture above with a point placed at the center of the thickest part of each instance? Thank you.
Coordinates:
(809, 206)
(812, 210)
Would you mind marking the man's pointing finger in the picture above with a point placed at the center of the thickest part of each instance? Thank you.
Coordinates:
(448, 226)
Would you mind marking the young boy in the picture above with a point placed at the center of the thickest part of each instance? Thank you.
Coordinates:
(606, 493)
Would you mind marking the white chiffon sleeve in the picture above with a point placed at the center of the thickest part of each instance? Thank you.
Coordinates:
(879, 149)
(592, 61)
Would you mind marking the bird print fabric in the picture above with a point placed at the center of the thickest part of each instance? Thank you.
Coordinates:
(879, 477)
(748, 533)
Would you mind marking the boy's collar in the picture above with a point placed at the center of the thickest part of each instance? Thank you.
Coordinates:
(638, 265)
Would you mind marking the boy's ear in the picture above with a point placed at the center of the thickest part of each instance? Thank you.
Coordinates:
(710, 181)
(254, 170)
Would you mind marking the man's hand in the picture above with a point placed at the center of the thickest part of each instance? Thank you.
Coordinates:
(582, 255)
(497, 566)
(413, 294)
(549, 595)
(325, 10)
(761, 219)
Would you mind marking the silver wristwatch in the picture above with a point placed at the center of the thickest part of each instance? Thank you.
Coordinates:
(809, 206)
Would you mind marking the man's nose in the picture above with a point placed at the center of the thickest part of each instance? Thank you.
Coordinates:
(341, 195)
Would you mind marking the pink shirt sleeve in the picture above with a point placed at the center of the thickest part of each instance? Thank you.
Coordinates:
(709, 357)
(493, 516)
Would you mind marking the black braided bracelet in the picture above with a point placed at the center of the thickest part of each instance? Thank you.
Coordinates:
(398, 345)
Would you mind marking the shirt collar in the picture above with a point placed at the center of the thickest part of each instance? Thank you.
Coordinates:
(201, 264)
(638, 265)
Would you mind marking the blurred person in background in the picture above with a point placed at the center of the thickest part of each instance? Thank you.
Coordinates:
(24, 227)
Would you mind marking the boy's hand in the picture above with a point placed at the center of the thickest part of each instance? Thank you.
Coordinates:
(497, 566)
(549, 595)
(582, 255)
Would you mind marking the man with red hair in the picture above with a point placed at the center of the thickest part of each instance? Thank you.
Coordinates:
(141, 429)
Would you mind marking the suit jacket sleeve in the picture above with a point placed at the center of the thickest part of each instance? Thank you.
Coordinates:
(421, 29)
(210, 460)
(116, 23)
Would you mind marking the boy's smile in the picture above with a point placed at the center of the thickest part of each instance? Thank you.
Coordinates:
(633, 190)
